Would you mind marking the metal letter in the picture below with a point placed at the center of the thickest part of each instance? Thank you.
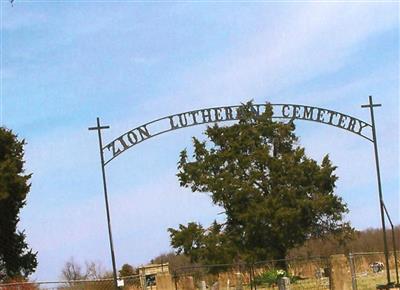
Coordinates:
(342, 120)
(123, 143)
(132, 137)
(255, 109)
(183, 122)
(112, 146)
(144, 132)
(284, 107)
(362, 126)
(332, 114)
(194, 116)
(352, 124)
(228, 113)
(217, 112)
(320, 115)
(296, 112)
(308, 113)
(171, 122)
(206, 114)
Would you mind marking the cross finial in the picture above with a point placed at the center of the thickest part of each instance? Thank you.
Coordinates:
(371, 104)
(98, 127)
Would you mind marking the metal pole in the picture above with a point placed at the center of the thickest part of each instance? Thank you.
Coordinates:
(353, 272)
(394, 244)
(378, 174)
(99, 128)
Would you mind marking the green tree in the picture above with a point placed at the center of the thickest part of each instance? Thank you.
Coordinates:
(275, 197)
(202, 245)
(16, 259)
(127, 270)
(130, 276)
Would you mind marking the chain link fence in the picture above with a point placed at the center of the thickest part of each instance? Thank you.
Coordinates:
(130, 282)
(368, 270)
(362, 271)
(303, 274)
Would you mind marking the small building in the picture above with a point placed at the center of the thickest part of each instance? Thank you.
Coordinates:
(149, 272)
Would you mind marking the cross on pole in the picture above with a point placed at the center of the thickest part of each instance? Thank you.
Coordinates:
(371, 107)
(371, 104)
(99, 128)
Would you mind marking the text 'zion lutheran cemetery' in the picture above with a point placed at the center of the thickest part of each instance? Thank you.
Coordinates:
(230, 113)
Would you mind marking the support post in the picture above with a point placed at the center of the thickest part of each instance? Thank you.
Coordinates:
(99, 128)
(371, 106)
(251, 277)
(353, 272)
(394, 245)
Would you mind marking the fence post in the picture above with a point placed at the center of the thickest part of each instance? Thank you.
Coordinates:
(340, 278)
(175, 280)
(239, 278)
(164, 281)
(251, 277)
(144, 285)
(353, 272)
(254, 276)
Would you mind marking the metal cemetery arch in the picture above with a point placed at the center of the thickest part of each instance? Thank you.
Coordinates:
(166, 124)
(228, 113)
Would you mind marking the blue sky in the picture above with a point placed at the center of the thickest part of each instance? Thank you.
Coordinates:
(66, 62)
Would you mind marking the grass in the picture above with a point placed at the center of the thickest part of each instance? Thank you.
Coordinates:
(369, 281)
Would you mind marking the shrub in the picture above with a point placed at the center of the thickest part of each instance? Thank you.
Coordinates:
(272, 276)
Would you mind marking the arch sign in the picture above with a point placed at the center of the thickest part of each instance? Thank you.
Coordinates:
(166, 124)
(229, 113)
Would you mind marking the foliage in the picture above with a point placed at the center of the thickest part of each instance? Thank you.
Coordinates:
(202, 244)
(16, 258)
(274, 196)
(130, 275)
(127, 270)
(368, 240)
(272, 276)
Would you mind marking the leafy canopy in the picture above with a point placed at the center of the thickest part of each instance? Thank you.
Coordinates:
(274, 196)
(16, 259)
(127, 270)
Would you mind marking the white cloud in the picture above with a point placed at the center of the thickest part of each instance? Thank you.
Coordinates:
(312, 41)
